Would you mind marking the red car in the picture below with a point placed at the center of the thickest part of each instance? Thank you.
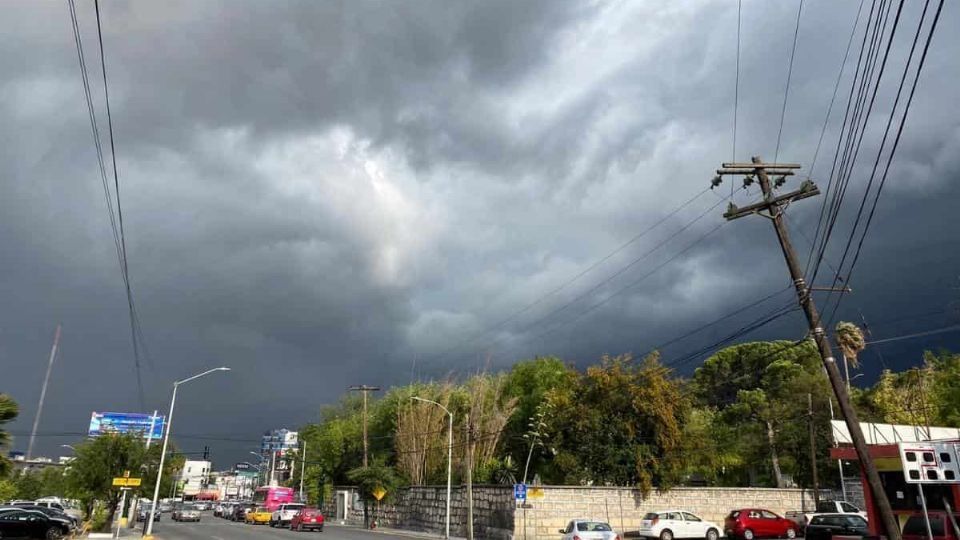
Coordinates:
(750, 523)
(307, 519)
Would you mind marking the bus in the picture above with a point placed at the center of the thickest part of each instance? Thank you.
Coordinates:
(272, 497)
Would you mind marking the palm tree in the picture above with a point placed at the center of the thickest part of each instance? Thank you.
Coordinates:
(8, 411)
(850, 339)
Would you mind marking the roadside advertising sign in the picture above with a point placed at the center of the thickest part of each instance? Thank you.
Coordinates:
(111, 422)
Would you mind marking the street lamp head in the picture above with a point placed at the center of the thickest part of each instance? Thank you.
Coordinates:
(223, 368)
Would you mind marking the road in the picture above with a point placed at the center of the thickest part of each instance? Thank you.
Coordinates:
(213, 528)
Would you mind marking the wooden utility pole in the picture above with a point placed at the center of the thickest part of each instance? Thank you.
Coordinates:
(469, 475)
(813, 454)
(366, 442)
(772, 207)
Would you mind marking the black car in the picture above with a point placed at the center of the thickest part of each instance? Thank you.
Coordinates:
(20, 523)
(55, 515)
(825, 526)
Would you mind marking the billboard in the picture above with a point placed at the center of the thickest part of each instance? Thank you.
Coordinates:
(111, 422)
(279, 440)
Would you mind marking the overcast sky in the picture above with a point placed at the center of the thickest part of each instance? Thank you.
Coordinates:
(325, 193)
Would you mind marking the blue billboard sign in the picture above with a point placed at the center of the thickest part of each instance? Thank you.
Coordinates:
(110, 422)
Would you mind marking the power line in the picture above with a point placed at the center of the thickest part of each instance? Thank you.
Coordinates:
(903, 120)
(859, 86)
(943, 330)
(571, 280)
(786, 90)
(823, 131)
(116, 191)
(583, 295)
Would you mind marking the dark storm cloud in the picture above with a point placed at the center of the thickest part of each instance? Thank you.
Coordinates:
(325, 193)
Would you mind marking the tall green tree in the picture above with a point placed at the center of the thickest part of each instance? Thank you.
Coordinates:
(8, 411)
(620, 424)
(98, 461)
(529, 382)
(759, 392)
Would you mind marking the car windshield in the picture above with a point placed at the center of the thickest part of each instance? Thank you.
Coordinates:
(593, 526)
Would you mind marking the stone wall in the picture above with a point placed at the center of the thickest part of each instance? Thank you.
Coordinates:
(549, 508)
(423, 508)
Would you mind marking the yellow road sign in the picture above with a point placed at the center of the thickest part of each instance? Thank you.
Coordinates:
(535, 493)
(126, 482)
(379, 493)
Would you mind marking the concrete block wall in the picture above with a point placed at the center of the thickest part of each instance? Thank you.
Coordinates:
(498, 517)
(624, 508)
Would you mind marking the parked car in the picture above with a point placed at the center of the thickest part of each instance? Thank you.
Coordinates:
(307, 519)
(825, 526)
(750, 523)
(258, 516)
(588, 529)
(144, 510)
(282, 516)
(670, 524)
(55, 515)
(802, 518)
(218, 510)
(940, 525)
(166, 507)
(22, 523)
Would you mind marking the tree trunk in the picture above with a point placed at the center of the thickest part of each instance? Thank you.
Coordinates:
(774, 459)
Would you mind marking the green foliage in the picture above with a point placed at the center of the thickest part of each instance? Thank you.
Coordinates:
(619, 425)
(98, 461)
(377, 475)
(8, 411)
(758, 392)
(8, 490)
(529, 382)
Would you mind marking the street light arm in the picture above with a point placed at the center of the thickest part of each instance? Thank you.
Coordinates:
(434, 402)
(197, 376)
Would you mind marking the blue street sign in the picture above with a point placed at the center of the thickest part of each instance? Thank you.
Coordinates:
(520, 492)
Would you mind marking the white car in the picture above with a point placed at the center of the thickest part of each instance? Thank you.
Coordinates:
(588, 529)
(281, 516)
(670, 524)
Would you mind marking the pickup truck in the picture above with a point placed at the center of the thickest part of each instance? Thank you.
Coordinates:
(801, 518)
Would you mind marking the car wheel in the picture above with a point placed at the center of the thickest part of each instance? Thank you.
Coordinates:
(791, 534)
(667, 534)
(747, 534)
(53, 533)
(713, 534)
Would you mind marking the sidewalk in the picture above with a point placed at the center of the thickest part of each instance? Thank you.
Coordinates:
(393, 532)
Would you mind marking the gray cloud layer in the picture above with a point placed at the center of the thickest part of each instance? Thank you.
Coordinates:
(325, 193)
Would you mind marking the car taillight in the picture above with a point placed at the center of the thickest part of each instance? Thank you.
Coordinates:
(575, 537)
(617, 537)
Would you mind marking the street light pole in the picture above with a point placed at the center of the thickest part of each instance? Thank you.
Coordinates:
(166, 439)
(449, 454)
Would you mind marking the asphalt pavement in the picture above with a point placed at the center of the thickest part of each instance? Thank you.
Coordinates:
(213, 528)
